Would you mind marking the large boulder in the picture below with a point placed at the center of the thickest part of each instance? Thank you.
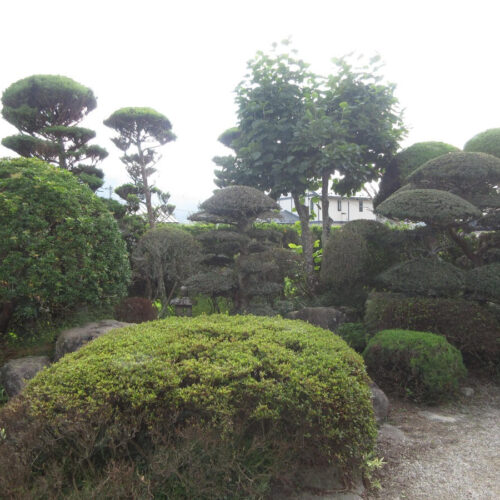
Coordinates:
(329, 318)
(15, 373)
(71, 340)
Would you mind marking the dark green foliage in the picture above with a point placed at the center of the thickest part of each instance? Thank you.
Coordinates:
(472, 176)
(164, 257)
(418, 365)
(405, 162)
(353, 257)
(208, 407)
(354, 334)
(249, 258)
(471, 328)
(46, 110)
(238, 205)
(59, 245)
(485, 142)
(135, 310)
(432, 206)
(416, 155)
(424, 277)
(32, 103)
(143, 130)
(483, 283)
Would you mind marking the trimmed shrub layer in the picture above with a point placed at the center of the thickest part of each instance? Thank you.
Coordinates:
(471, 328)
(207, 407)
(418, 365)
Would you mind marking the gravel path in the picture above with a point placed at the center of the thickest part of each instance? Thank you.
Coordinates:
(449, 452)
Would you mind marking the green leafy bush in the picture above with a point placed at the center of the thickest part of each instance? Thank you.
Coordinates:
(354, 334)
(419, 365)
(469, 327)
(354, 255)
(59, 246)
(425, 277)
(208, 407)
(484, 282)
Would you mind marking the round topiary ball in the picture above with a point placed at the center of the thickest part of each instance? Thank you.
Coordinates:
(418, 365)
(206, 407)
(59, 245)
(485, 142)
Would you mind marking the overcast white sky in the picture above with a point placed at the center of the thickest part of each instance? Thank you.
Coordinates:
(185, 57)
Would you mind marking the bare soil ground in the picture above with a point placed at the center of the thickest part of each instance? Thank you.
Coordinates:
(452, 458)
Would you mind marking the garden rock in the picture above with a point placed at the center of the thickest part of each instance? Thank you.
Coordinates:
(329, 318)
(15, 373)
(380, 403)
(71, 340)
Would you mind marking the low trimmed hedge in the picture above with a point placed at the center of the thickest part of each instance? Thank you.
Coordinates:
(469, 327)
(208, 407)
(418, 365)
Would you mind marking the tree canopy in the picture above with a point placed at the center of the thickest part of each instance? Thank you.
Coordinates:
(46, 109)
(144, 130)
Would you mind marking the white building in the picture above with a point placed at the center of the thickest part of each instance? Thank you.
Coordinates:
(342, 209)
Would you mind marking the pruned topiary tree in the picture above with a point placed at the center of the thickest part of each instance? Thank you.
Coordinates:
(143, 130)
(46, 110)
(424, 277)
(456, 193)
(240, 265)
(405, 162)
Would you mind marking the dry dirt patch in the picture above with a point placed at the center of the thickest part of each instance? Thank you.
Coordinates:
(447, 452)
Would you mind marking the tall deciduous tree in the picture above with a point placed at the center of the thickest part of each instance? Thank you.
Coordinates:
(46, 109)
(353, 127)
(271, 103)
(143, 130)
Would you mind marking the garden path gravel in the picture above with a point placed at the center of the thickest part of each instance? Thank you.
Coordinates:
(446, 452)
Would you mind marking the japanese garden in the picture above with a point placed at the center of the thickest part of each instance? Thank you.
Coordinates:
(223, 357)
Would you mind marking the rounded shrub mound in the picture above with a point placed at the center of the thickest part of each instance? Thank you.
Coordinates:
(485, 142)
(353, 256)
(208, 407)
(425, 277)
(471, 328)
(59, 245)
(419, 153)
(484, 282)
(419, 365)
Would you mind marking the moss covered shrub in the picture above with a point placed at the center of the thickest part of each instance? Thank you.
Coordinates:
(424, 277)
(208, 407)
(419, 365)
(471, 328)
(60, 248)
